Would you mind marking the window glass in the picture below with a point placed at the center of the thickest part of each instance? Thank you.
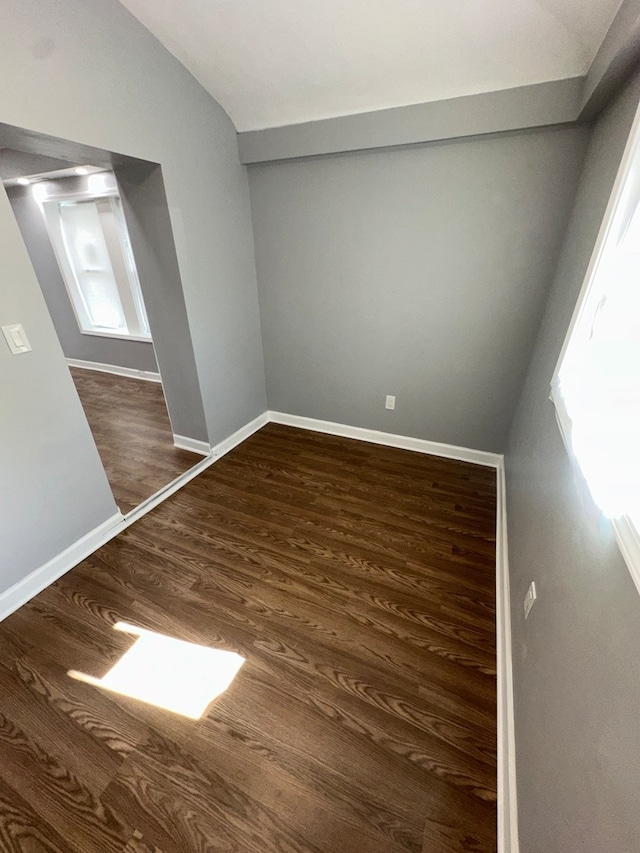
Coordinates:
(90, 239)
(599, 379)
(88, 256)
(596, 386)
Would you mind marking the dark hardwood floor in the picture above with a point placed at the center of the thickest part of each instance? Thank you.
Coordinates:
(131, 428)
(357, 581)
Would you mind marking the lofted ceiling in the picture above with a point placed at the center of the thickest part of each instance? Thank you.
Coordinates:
(277, 62)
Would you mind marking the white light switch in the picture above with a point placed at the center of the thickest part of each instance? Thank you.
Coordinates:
(16, 338)
(390, 402)
(529, 599)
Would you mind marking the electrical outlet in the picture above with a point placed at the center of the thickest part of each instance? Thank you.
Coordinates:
(390, 402)
(530, 599)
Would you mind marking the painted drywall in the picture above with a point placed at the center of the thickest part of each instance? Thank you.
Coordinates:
(537, 105)
(86, 70)
(144, 204)
(134, 354)
(18, 164)
(54, 489)
(125, 93)
(615, 61)
(417, 272)
(576, 662)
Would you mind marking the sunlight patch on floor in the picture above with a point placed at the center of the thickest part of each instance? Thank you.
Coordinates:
(173, 674)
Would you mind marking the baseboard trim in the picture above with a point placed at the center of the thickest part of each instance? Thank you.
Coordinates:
(404, 442)
(215, 453)
(170, 489)
(130, 372)
(41, 578)
(240, 435)
(508, 841)
(24, 590)
(183, 442)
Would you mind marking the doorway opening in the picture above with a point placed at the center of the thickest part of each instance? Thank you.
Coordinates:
(100, 257)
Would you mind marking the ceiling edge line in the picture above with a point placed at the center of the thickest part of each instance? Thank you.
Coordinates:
(537, 105)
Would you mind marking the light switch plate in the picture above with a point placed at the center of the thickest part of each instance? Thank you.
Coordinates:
(530, 599)
(16, 338)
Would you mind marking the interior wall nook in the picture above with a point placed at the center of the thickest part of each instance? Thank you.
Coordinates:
(122, 93)
(121, 352)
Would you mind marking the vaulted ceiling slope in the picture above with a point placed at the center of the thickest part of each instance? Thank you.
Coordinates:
(277, 62)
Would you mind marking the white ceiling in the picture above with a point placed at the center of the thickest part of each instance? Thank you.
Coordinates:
(278, 62)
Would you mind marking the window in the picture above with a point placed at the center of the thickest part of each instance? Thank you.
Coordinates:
(91, 244)
(596, 386)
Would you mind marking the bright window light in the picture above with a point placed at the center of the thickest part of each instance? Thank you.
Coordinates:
(86, 248)
(99, 182)
(40, 191)
(596, 386)
(92, 246)
(599, 378)
(172, 674)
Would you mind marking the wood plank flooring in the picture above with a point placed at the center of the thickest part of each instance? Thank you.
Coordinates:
(358, 583)
(131, 428)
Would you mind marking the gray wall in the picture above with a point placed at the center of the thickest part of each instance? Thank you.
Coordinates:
(52, 484)
(145, 208)
(417, 272)
(17, 164)
(86, 70)
(576, 659)
(134, 354)
(541, 104)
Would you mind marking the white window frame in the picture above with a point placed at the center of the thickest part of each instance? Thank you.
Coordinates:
(127, 282)
(626, 191)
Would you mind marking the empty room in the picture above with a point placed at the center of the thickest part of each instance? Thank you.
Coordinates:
(358, 570)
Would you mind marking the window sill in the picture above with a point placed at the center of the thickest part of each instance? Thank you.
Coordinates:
(145, 339)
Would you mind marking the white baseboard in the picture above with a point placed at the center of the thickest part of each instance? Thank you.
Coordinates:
(170, 489)
(215, 453)
(404, 442)
(130, 372)
(240, 435)
(41, 578)
(183, 442)
(508, 841)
